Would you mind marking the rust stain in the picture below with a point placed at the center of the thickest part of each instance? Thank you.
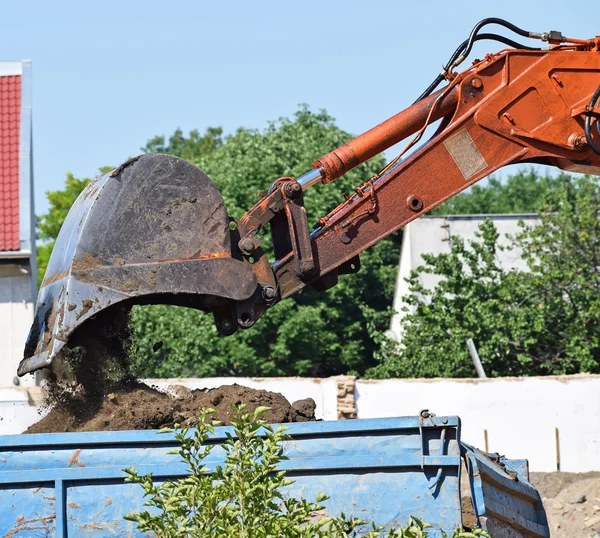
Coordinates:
(71, 307)
(74, 505)
(96, 526)
(74, 459)
(91, 190)
(209, 256)
(106, 505)
(22, 524)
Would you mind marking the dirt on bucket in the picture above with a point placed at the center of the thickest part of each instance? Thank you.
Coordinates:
(90, 388)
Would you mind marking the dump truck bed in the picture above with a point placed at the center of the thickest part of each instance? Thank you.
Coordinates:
(381, 470)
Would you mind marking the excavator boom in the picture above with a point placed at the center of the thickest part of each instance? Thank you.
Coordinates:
(155, 230)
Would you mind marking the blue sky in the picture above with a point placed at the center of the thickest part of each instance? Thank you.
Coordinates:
(109, 75)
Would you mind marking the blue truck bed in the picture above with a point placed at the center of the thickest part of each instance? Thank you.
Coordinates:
(383, 470)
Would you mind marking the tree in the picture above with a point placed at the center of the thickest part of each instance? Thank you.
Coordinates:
(311, 334)
(190, 148)
(523, 192)
(564, 257)
(538, 322)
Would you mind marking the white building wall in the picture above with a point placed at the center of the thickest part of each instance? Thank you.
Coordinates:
(16, 316)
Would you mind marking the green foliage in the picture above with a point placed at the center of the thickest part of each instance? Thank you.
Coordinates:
(50, 223)
(564, 257)
(311, 334)
(539, 322)
(246, 496)
(190, 148)
(523, 192)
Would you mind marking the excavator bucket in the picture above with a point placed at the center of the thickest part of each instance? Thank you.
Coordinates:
(154, 230)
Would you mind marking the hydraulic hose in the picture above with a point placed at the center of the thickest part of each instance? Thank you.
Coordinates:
(464, 49)
(588, 124)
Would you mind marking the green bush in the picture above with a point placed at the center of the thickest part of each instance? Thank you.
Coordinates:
(541, 321)
(244, 497)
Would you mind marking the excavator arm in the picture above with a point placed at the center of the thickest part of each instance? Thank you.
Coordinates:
(516, 106)
(155, 230)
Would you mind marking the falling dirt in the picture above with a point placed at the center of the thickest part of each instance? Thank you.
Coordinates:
(90, 388)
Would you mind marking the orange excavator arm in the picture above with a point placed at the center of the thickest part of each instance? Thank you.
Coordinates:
(515, 106)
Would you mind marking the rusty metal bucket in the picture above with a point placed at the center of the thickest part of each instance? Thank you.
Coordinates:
(154, 230)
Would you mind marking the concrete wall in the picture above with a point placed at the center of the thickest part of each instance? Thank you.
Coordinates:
(520, 415)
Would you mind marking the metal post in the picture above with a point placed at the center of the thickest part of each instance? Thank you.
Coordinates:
(557, 441)
(475, 358)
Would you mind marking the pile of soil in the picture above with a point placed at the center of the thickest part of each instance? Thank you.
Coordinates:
(90, 388)
(136, 406)
(572, 503)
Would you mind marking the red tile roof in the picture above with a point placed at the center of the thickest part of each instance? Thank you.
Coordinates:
(10, 122)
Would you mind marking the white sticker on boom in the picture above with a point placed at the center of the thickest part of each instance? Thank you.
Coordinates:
(465, 154)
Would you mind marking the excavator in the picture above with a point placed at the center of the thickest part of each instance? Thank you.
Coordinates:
(155, 229)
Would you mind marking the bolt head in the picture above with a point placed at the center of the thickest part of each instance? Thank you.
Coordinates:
(247, 245)
(476, 83)
(269, 293)
(293, 188)
(579, 142)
